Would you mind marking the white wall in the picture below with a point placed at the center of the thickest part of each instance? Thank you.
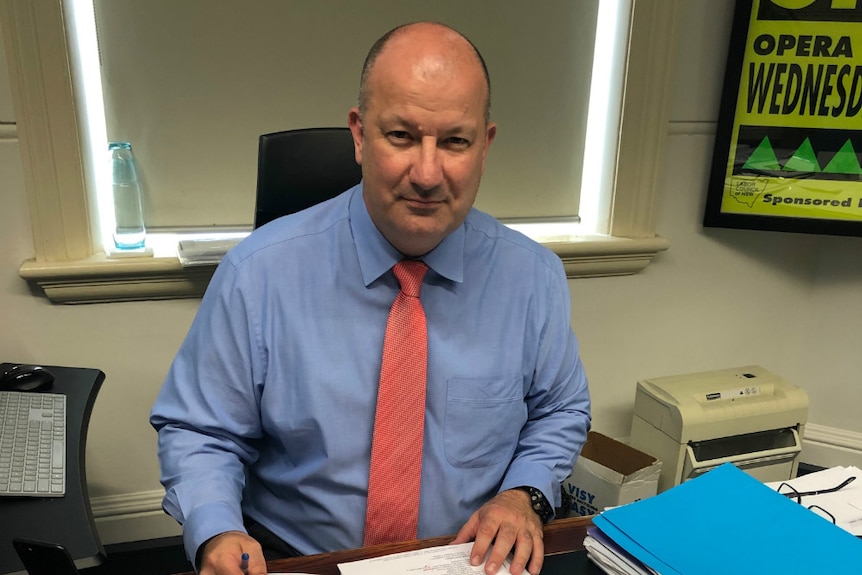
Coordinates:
(716, 299)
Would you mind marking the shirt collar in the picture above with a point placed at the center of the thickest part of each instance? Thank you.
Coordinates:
(377, 256)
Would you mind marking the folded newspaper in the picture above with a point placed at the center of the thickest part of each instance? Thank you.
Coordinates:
(205, 251)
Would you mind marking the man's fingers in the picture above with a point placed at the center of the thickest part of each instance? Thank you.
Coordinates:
(537, 554)
(467, 531)
(505, 525)
(222, 554)
(521, 554)
(257, 565)
(485, 534)
(505, 541)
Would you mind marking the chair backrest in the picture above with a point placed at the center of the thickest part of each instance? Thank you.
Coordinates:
(299, 168)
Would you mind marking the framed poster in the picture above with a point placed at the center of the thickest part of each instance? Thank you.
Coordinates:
(789, 139)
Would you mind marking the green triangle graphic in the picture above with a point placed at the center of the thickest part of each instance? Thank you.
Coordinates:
(763, 158)
(844, 162)
(803, 159)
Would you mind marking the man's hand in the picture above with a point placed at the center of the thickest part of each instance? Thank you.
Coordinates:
(507, 522)
(222, 555)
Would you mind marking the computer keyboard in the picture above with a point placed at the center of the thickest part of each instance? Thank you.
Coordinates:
(32, 444)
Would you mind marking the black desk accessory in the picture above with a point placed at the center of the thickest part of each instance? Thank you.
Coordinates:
(66, 521)
(26, 377)
(40, 558)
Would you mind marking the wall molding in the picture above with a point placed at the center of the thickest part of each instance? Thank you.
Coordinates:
(132, 517)
(127, 503)
(831, 446)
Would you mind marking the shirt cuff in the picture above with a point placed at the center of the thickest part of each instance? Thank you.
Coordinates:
(207, 521)
(533, 475)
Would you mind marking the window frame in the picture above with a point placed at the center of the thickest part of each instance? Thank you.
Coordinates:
(69, 268)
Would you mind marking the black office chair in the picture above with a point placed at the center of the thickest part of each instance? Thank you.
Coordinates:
(299, 168)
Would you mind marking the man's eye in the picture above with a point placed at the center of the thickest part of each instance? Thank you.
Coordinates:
(456, 142)
(398, 135)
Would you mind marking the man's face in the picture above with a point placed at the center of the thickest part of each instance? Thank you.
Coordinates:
(422, 143)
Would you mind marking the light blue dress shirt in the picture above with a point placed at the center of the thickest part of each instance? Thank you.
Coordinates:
(268, 407)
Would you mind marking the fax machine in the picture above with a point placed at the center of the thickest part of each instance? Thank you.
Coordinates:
(695, 422)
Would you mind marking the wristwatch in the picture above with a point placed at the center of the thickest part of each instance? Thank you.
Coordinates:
(539, 503)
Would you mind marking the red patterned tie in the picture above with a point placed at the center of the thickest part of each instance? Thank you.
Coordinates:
(396, 452)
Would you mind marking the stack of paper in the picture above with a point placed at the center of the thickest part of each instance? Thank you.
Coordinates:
(818, 489)
(722, 522)
(610, 557)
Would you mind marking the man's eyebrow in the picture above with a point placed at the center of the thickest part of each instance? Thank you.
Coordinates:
(395, 120)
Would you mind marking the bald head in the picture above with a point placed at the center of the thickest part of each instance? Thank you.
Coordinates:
(421, 134)
(426, 36)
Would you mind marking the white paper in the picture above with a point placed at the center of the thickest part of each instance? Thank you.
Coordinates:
(443, 560)
(611, 558)
(845, 504)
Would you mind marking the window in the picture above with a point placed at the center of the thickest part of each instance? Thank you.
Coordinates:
(193, 91)
(70, 267)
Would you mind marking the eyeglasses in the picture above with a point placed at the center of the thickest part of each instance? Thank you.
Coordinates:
(799, 495)
(789, 491)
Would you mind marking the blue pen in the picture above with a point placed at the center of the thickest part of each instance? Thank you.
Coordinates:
(243, 564)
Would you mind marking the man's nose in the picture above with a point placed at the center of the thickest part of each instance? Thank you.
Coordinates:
(427, 170)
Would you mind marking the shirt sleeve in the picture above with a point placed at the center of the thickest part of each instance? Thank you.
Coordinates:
(558, 402)
(207, 415)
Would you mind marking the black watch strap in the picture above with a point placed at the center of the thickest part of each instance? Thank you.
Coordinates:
(539, 503)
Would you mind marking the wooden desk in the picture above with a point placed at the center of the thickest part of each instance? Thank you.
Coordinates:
(562, 536)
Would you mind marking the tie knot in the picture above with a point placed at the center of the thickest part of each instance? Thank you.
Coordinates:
(410, 274)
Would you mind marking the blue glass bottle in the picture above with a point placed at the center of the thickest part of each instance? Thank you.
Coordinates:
(129, 231)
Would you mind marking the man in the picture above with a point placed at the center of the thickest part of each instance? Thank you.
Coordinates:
(267, 415)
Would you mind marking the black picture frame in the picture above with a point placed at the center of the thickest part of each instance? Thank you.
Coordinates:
(783, 160)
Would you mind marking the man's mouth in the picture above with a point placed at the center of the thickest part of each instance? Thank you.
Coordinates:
(423, 202)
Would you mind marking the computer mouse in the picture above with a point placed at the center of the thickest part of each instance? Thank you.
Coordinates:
(25, 377)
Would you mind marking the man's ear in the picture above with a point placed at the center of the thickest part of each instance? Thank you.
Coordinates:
(490, 133)
(354, 121)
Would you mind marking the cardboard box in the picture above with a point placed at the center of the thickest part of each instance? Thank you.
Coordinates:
(610, 473)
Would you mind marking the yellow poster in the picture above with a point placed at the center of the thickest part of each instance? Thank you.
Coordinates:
(790, 133)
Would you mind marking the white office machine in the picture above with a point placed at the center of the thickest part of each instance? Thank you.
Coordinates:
(695, 422)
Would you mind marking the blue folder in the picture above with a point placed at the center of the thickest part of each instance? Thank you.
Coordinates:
(726, 521)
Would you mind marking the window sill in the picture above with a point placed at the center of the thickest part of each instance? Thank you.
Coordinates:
(601, 256)
(99, 280)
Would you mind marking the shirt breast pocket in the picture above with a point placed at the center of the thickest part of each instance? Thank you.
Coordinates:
(484, 418)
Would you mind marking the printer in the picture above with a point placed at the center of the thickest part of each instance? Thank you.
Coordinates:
(746, 416)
